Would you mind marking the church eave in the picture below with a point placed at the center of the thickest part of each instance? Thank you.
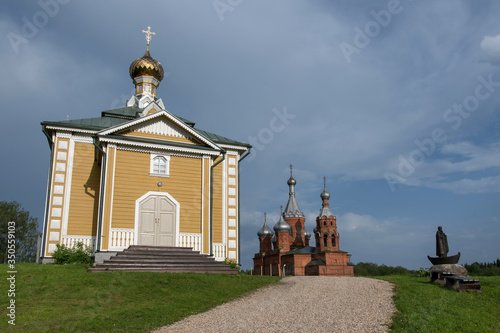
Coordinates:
(223, 141)
(158, 144)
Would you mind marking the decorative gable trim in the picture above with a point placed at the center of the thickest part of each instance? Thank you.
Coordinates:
(159, 114)
(161, 127)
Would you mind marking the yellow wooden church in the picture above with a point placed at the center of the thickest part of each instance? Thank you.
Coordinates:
(140, 175)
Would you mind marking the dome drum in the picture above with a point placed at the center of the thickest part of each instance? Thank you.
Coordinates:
(147, 74)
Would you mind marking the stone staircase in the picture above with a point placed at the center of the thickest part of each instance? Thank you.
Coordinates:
(138, 258)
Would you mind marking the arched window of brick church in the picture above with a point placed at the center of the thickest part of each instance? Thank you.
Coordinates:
(331, 222)
(299, 231)
(324, 223)
(291, 232)
(325, 240)
(333, 240)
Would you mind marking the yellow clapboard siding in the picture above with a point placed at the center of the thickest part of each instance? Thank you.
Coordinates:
(132, 180)
(217, 203)
(84, 202)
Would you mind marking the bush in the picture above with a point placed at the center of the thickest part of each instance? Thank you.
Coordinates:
(232, 264)
(484, 269)
(372, 269)
(80, 254)
(422, 273)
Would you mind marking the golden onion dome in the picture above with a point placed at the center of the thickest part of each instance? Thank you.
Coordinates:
(146, 66)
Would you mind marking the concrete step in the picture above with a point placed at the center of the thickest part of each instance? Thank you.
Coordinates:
(201, 266)
(139, 258)
(158, 248)
(164, 270)
(165, 260)
(162, 254)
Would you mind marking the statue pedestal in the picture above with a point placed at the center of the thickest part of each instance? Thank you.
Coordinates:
(452, 268)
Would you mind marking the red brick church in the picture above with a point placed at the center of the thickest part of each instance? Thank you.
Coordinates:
(286, 251)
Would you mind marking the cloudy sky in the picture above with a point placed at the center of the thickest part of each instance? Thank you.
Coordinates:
(397, 104)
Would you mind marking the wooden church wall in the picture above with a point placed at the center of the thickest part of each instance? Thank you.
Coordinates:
(84, 201)
(132, 180)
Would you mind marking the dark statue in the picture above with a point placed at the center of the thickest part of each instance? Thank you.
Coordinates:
(442, 250)
(441, 243)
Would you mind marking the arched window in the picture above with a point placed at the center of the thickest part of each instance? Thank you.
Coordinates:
(291, 232)
(324, 223)
(299, 232)
(331, 222)
(325, 240)
(333, 240)
(159, 165)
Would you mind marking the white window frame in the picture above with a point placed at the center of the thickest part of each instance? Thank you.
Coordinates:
(167, 168)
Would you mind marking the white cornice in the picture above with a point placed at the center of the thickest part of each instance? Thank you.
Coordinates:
(82, 138)
(161, 147)
(70, 129)
(159, 152)
(239, 148)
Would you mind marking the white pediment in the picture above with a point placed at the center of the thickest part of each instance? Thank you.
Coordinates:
(161, 127)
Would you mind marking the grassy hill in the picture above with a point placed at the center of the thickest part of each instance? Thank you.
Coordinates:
(53, 298)
(426, 307)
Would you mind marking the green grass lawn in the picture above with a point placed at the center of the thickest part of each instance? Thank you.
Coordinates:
(426, 307)
(54, 298)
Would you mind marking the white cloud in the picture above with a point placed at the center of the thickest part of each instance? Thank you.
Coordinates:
(466, 185)
(461, 167)
(491, 49)
(352, 222)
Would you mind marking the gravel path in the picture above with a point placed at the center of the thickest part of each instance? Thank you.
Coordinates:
(301, 304)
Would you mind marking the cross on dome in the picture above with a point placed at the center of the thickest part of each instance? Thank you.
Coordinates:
(148, 34)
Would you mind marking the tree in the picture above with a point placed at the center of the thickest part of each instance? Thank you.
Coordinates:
(24, 230)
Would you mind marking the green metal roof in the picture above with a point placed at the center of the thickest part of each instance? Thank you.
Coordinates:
(94, 124)
(221, 139)
(130, 111)
(316, 262)
(114, 117)
(303, 250)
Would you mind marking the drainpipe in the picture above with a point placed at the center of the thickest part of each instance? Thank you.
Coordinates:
(239, 231)
(212, 200)
(49, 182)
(101, 193)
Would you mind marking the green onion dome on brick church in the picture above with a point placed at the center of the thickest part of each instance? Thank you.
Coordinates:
(146, 72)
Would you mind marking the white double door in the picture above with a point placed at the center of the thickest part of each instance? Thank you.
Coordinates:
(157, 221)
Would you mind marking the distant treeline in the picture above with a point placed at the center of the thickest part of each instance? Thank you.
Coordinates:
(484, 268)
(372, 269)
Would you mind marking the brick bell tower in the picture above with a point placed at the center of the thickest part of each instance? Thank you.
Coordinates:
(327, 236)
(294, 217)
